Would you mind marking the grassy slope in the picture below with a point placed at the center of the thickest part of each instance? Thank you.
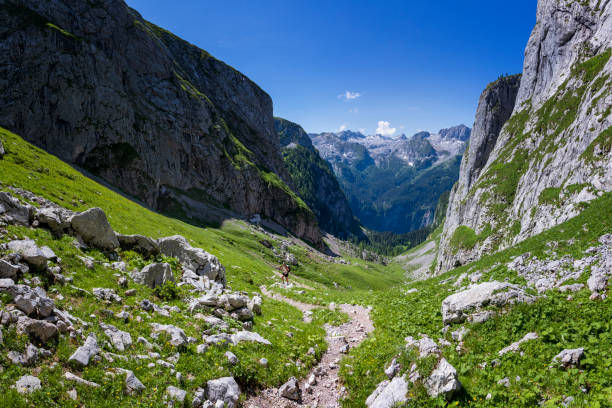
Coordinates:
(395, 314)
(249, 264)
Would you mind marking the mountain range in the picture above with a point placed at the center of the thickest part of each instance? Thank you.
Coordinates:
(394, 183)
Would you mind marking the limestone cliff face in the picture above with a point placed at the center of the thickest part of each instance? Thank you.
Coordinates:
(553, 154)
(98, 86)
(315, 181)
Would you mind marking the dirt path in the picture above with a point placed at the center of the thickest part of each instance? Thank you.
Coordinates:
(325, 390)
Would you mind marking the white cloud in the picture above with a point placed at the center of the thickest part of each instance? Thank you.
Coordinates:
(349, 96)
(384, 128)
(354, 111)
(362, 131)
(342, 127)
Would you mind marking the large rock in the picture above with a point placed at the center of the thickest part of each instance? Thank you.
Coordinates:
(132, 384)
(139, 243)
(443, 380)
(31, 253)
(224, 389)
(457, 307)
(290, 390)
(86, 352)
(195, 259)
(93, 228)
(389, 394)
(13, 211)
(155, 274)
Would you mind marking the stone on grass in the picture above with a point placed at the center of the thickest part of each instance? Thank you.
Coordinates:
(132, 384)
(13, 212)
(224, 389)
(231, 358)
(514, 347)
(255, 305)
(107, 294)
(93, 228)
(38, 329)
(139, 243)
(195, 259)
(121, 340)
(71, 377)
(177, 335)
(153, 275)
(569, 357)
(443, 380)
(389, 394)
(244, 335)
(31, 253)
(86, 352)
(392, 369)
(456, 308)
(27, 384)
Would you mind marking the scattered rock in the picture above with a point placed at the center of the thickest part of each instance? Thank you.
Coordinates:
(132, 384)
(290, 390)
(195, 259)
(514, 347)
(176, 395)
(389, 393)
(569, 357)
(71, 377)
(121, 340)
(8, 270)
(93, 228)
(27, 384)
(13, 212)
(38, 329)
(393, 369)
(33, 255)
(178, 337)
(139, 243)
(155, 274)
(231, 358)
(244, 335)
(107, 294)
(263, 362)
(443, 380)
(88, 350)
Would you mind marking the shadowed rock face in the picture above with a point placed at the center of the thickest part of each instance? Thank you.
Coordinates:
(529, 171)
(157, 117)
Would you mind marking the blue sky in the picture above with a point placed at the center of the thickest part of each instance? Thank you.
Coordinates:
(416, 65)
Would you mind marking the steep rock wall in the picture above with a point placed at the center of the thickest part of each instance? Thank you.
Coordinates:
(554, 153)
(162, 120)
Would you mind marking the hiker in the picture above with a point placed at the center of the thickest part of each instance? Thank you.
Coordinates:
(285, 270)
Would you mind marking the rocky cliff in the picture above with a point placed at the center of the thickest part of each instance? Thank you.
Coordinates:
(553, 155)
(162, 120)
(315, 182)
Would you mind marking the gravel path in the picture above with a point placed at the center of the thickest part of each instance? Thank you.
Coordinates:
(321, 387)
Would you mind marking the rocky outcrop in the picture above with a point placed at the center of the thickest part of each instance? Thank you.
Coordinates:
(150, 113)
(315, 181)
(553, 153)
